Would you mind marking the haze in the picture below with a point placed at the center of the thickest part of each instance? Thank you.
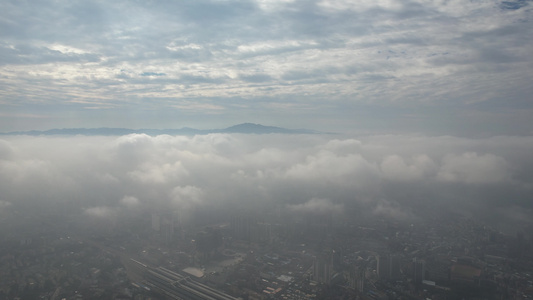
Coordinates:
(413, 149)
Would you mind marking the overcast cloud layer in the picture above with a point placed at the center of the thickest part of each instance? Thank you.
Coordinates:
(454, 67)
(399, 178)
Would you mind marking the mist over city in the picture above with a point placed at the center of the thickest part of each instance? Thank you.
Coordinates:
(401, 178)
(266, 149)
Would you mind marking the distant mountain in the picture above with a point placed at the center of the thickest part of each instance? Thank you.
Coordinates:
(245, 128)
(250, 128)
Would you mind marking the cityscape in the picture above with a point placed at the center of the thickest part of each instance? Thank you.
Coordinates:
(272, 255)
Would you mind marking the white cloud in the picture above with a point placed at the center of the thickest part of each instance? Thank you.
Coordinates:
(317, 206)
(349, 170)
(391, 210)
(159, 174)
(104, 212)
(66, 49)
(4, 204)
(360, 6)
(130, 201)
(473, 168)
(270, 5)
(247, 57)
(5, 150)
(394, 167)
(185, 195)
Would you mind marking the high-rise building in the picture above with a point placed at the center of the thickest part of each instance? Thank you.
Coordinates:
(389, 267)
(242, 226)
(360, 279)
(323, 268)
(419, 270)
(156, 222)
(167, 229)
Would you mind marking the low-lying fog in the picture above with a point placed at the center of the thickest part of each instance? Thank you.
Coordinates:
(404, 178)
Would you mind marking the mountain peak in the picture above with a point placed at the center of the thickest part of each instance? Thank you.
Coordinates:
(255, 128)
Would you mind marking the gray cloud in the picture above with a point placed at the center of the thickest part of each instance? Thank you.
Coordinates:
(5, 150)
(104, 212)
(417, 168)
(4, 204)
(473, 168)
(317, 206)
(392, 211)
(130, 201)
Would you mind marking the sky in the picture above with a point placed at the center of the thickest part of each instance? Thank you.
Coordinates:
(451, 67)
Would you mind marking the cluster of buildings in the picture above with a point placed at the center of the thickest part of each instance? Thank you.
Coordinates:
(59, 268)
(307, 258)
(272, 255)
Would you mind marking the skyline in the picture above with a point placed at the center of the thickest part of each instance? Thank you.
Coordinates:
(367, 67)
